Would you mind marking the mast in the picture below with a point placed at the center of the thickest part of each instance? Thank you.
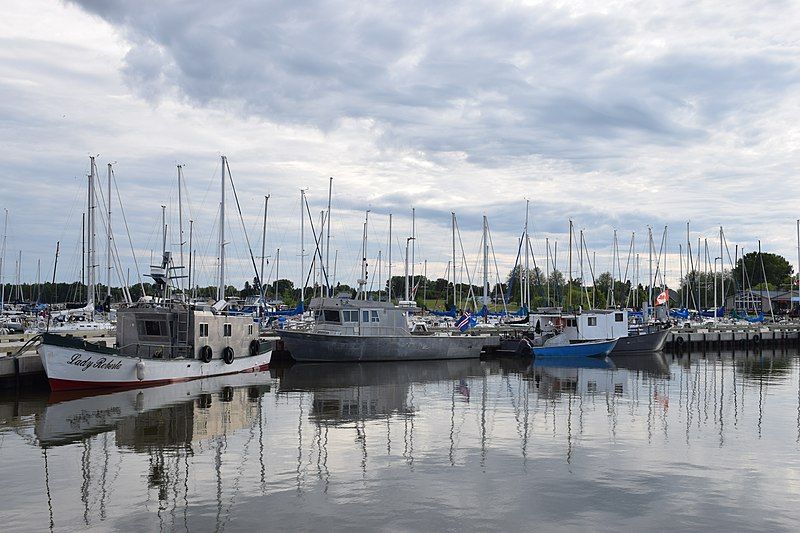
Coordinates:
(650, 275)
(90, 281)
(108, 243)
(798, 259)
(221, 284)
(180, 216)
(569, 284)
(362, 282)
(485, 262)
(408, 240)
(2, 261)
(302, 247)
(547, 268)
(277, 271)
(328, 240)
(526, 291)
(190, 280)
(263, 244)
(389, 292)
(55, 267)
(414, 242)
(453, 223)
(721, 272)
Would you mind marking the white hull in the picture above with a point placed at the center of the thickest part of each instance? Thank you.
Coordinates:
(71, 419)
(76, 368)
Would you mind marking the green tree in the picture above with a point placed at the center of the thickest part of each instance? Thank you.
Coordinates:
(777, 268)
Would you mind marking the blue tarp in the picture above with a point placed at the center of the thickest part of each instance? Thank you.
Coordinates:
(291, 312)
(678, 313)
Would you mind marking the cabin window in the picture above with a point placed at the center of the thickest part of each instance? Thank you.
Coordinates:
(250, 329)
(331, 315)
(373, 316)
(365, 316)
(350, 315)
(204, 330)
(591, 386)
(152, 328)
(618, 317)
(592, 320)
(227, 330)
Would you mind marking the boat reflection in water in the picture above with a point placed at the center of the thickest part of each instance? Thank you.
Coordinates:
(346, 392)
(168, 415)
(585, 376)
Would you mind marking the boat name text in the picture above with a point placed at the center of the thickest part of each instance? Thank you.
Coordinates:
(89, 362)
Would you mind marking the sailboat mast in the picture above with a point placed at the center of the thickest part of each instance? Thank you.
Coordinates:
(569, 284)
(180, 215)
(453, 223)
(90, 238)
(263, 246)
(721, 272)
(389, 292)
(2, 262)
(221, 284)
(526, 295)
(302, 247)
(798, 259)
(485, 262)
(413, 242)
(189, 279)
(328, 240)
(108, 243)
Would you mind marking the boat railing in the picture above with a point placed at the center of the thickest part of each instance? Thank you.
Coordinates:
(156, 351)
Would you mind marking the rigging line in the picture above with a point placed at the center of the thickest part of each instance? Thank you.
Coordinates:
(496, 268)
(316, 248)
(466, 267)
(128, 231)
(244, 229)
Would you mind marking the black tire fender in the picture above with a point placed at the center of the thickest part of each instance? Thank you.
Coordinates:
(227, 355)
(206, 353)
(255, 347)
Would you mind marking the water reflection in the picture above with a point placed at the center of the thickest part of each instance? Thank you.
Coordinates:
(357, 445)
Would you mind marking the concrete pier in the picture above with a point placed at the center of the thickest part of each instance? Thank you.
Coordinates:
(724, 337)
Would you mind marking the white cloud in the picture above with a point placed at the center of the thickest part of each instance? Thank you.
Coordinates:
(616, 115)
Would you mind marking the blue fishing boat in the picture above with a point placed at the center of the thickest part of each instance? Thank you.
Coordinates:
(575, 349)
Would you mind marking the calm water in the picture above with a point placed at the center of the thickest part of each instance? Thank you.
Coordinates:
(651, 442)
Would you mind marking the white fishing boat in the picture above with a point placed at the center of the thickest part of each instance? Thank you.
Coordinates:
(161, 340)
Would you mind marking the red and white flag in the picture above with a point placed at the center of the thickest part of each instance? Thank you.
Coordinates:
(662, 298)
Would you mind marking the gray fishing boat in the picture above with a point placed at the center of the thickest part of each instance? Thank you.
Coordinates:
(641, 341)
(364, 330)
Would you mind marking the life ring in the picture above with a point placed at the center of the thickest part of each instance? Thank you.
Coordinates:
(255, 346)
(679, 341)
(756, 339)
(227, 355)
(205, 354)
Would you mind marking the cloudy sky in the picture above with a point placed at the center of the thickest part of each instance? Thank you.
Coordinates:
(617, 114)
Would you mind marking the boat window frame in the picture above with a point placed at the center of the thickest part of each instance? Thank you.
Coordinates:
(350, 316)
(227, 329)
(591, 321)
(374, 316)
(365, 316)
(328, 314)
(203, 328)
(619, 317)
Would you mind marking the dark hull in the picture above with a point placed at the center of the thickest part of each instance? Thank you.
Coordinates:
(321, 347)
(646, 342)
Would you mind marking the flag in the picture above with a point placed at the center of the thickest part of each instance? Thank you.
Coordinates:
(465, 321)
(663, 297)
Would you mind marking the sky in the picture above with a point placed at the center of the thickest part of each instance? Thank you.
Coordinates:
(617, 115)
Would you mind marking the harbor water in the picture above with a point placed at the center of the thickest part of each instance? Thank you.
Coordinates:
(650, 442)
